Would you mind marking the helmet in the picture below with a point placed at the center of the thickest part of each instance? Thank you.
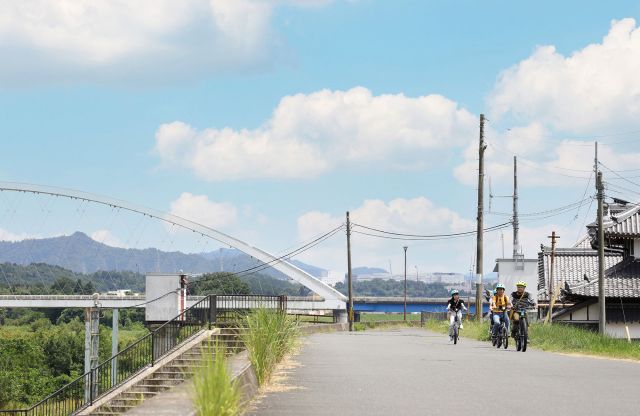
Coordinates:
(521, 283)
(454, 292)
(499, 286)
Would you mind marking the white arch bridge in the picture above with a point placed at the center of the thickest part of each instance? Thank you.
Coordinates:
(328, 298)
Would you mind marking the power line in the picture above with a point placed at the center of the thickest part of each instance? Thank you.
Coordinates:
(416, 237)
(536, 165)
(290, 254)
(577, 140)
(618, 175)
(152, 300)
(564, 208)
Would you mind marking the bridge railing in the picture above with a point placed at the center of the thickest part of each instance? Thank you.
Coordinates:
(146, 351)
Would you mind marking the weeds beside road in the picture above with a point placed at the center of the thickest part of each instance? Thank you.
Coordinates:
(554, 338)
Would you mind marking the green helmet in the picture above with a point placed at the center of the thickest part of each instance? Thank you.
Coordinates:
(454, 292)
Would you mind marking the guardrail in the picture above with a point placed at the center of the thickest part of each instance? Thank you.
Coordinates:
(146, 351)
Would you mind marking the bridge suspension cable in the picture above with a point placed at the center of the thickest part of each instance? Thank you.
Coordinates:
(333, 298)
(283, 257)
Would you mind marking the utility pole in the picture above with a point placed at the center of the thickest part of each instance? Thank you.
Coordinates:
(552, 294)
(601, 282)
(479, 254)
(516, 243)
(350, 317)
(405, 282)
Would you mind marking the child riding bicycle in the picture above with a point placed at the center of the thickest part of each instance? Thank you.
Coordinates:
(499, 305)
(454, 309)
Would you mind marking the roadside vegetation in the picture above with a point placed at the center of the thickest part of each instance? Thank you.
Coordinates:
(388, 317)
(554, 338)
(41, 351)
(268, 337)
(215, 393)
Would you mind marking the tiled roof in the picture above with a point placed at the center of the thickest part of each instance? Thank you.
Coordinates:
(572, 265)
(584, 243)
(624, 224)
(622, 280)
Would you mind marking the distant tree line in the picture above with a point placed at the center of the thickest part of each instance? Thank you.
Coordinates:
(390, 287)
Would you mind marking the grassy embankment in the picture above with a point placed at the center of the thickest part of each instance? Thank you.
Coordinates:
(556, 338)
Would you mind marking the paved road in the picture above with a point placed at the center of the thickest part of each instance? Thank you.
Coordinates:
(416, 372)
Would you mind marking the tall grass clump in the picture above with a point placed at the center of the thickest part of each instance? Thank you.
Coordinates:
(567, 338)
(215, 394)
(268, 337)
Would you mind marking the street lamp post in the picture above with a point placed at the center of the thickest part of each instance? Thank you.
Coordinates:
(405, 282)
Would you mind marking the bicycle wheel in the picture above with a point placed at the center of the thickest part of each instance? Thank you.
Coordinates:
(499, 336)
(505, 337)
(455, 333)
(524, 334)
(518, 338)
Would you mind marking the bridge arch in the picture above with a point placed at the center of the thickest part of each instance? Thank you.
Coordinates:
(332, 299)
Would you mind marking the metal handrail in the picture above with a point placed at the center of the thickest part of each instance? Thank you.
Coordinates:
(144, 352)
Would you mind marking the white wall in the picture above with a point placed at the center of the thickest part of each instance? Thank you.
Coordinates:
(167, 307)
(508, 275)
(616, 330)
(636, 248)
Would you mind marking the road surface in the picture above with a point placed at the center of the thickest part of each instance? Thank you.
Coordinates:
(410, 371)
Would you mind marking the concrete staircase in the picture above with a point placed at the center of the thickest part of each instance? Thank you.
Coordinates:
(168, 373)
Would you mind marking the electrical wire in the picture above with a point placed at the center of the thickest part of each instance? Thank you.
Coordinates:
(618, 175)
(415, 237)
(281, 258)
(152, 300)
(563, 209)
(536, 165)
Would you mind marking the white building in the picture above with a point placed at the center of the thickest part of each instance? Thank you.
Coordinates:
(511, 271)
(331, 277)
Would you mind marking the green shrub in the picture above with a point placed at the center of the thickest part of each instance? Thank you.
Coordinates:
(269, 335)
(215, 394)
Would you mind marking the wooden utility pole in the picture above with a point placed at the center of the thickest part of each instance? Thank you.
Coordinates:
(601, 282)
(552, 292)
(479, 254)
(349, 281)
(516, 242)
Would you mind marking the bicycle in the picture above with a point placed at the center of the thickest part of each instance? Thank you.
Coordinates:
(501, 338)
(454, 330)
(521, 335)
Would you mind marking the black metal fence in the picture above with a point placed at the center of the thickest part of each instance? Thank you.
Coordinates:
(209, 311)
(229, 309)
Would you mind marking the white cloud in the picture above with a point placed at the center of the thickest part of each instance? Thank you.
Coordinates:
(108, 238)
(142, 40)
(412, 216)
(310, 134)
(6, 235)
(594, 88)
(200, 209)
(420, 216)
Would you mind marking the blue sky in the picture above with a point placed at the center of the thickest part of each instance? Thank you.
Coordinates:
(354, 101)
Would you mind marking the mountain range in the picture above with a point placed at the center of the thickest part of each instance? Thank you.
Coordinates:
(81, 254)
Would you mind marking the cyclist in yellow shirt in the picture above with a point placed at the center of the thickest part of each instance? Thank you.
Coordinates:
(499, 305)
